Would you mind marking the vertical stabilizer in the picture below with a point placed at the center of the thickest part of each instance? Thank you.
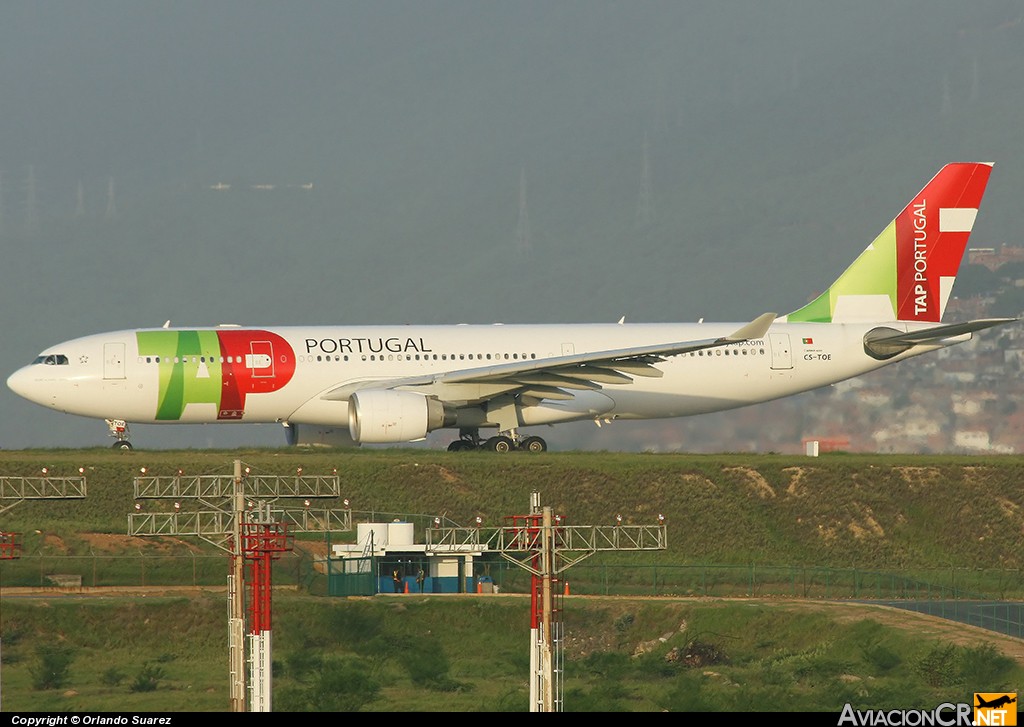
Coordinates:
(907, 273)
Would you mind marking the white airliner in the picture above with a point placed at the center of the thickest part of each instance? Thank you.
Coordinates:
(375, 384)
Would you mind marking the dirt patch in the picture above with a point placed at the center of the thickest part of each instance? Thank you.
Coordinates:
(919, 475)
(976, 475)
(757, 481)
(1009, 508)
(867, 525)
(796, 487)
(107, 543)
(442, 472)
(828, 534)
(312, 548)
(699, 480)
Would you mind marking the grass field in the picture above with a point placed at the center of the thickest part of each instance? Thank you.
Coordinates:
(840, 511)
(928, 515)
(470, 653)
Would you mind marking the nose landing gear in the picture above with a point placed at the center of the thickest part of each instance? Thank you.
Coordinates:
(119, 431)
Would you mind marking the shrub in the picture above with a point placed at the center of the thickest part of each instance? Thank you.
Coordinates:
(983, 665)
(148, 678)
(112, 677)
(52, 669)
(939, 666)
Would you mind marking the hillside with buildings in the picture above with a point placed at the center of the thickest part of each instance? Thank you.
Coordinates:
(965, 399)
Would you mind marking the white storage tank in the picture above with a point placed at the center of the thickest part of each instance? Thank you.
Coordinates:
(379, 531)
(400, 533)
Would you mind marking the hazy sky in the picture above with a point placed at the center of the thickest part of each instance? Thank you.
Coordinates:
(779, 138)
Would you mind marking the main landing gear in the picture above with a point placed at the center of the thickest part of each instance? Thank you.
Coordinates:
(119, 431)
(469, 439)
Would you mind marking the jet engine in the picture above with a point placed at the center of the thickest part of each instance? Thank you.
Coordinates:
(312, 435)
(376, 416)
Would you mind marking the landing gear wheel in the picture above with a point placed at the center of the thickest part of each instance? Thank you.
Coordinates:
(460, 445)
(499, 444)
(122, 444)
(533, 444)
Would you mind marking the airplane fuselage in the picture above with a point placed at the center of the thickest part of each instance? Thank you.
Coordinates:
(287, 374)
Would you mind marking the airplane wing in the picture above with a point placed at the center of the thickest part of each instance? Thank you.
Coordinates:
(555, 377)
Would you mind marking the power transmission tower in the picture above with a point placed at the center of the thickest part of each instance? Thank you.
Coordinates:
(523, 243)
(111, 206)
(947, 98)
(80, 200)
(975, 77)
(31, 209)
(645, 202)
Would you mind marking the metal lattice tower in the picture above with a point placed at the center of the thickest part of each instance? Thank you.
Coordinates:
(18, 489)
(543, 544)
(263, 542)
(10, 549)
(15, 490)
(257, 533)
(10, 546)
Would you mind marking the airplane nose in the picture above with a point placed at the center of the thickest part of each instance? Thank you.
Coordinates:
(20, 382)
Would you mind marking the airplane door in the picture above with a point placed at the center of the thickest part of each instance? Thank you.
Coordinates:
(113, 360)
(782, 354)
(260, 359)
(568, 349)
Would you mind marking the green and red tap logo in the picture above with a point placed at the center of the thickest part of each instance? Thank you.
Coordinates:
(216, 367)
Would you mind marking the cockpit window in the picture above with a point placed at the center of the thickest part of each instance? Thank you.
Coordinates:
(52, 359)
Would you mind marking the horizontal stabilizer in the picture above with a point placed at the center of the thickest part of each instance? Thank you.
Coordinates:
(883, 342)
(940, 333)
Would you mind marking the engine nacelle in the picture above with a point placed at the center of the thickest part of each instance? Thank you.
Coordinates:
(312, 435)
(376, 416)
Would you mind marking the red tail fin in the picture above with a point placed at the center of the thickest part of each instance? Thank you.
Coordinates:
(931, 236)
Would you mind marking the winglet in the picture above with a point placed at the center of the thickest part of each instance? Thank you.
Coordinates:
(755, 329)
